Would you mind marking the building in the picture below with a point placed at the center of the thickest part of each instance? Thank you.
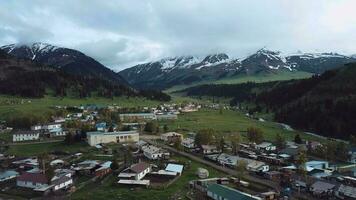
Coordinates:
(101, 126)
(20, 136)
(209, 149)
(352, 155)
(167, 116)
(98, 137)
(32, 180)
(136, 171)
(58, 119)
(171, 137)
(137, 116)
(51, 126)
(8, 175)
(61, 182)
(178, 169)
(227, 160)
(222, 192)
(188, 143)
(57, 132)
(266, 146)
(322, 188)
(314, 164)
(346, 192)
(103, 169)
(153, 153)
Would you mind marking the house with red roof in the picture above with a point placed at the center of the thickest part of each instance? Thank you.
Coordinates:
(32, 180)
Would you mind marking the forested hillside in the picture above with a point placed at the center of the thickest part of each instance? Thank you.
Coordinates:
(324, 104)
(23, 77)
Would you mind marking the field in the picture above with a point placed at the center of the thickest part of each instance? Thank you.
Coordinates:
(36, 149)
(259, 78)
(110, 190)
(228, 121)
(15, 106)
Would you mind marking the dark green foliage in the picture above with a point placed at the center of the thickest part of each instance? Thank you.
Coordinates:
(298, 139)
(204, 137)
(254, 135)
(152, 127)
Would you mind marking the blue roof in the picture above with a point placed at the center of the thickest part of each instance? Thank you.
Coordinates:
(174, 168)
(101, 125)
(8, 173)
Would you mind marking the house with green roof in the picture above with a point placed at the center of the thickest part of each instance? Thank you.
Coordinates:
(222, 192)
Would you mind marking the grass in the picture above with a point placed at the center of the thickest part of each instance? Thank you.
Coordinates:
(36, 149)
(259, 78)
(229, 121)
(15, 106)
(110, 190)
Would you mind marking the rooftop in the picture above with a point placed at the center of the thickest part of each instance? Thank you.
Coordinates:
(140, 167)
(230, 193)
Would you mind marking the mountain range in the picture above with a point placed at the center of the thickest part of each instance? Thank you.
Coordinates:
(169, 72)
(69, 60)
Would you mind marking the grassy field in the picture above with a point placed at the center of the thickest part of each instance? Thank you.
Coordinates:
(228, 121)
(36, 149)
(259, 78)
(110, 190)
(14, 106)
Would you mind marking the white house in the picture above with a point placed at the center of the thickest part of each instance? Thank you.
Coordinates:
(209, 149)
(188, 143)
(57, 132)
(171, 137)
(137, 116)
(51, 126)
(153, 152)
(25, 136)
(98, 137)
(61, 182)
(266, 146)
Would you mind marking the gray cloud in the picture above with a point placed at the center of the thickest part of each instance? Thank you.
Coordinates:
(123, 33)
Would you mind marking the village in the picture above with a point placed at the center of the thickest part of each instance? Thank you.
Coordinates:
(136, 148)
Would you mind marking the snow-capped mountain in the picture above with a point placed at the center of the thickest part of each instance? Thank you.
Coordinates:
(188, 69)
(69, 60)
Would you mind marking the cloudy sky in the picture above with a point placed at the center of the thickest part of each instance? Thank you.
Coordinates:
(122, 33)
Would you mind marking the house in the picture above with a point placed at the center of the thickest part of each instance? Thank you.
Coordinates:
(153, 153)
(209, 149)
(352, 155)
(101, 126)
(87, 166)
(171, 137)
(346, 192)
(273, 175)
(20, 136)
(26, 164)
(8, 175)
(103, 169)
(32, 180)
(266, 146)
(136, 171)
(61, 182)
(58, 119)
(227, 160)
(222, 192)
(257, 166)
(57, 132)
(51, 126)
(36, 127)
(314, 164)
(178, 169)
(188, 143)
(137, 116)
(98, 137)
(322, 188)
(167, 116)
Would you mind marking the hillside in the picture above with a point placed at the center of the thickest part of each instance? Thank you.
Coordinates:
(220, 68)
(324, 104)
(22, 77)
(68, 60)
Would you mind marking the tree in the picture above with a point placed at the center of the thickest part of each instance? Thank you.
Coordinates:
(298, 139)
(300, 161)
(69, 138)
(235, 142)
(165, 128)
(241, 168)
(177, 144)
(204, 136)
(221, 144)
(280, 141)
(151, 127)
(353, 140)
(254, 135)
(114, 165)
(341, 151)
